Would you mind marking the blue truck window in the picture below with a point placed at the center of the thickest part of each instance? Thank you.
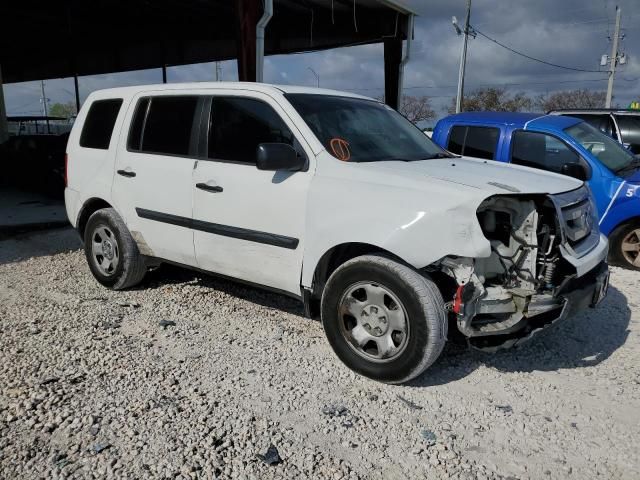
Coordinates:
(479, 142)
(539, 150)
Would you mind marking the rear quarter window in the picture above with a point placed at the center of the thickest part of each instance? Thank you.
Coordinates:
(478, 142)
(99, 123)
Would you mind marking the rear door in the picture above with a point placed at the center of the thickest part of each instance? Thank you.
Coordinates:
(153, 180)
(249, 223)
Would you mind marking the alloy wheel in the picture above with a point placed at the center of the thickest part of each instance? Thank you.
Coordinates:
(373, 321)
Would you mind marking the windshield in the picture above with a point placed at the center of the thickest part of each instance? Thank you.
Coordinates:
(603, 147)
(357, 130)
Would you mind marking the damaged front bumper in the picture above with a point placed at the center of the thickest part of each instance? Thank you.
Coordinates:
(586, 285)
(575, 295)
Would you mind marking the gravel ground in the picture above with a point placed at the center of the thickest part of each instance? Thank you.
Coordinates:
(192, 377)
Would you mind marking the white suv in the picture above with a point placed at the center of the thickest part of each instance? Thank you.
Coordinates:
(337, 200)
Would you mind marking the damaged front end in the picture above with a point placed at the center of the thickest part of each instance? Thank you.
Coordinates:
(547, 261)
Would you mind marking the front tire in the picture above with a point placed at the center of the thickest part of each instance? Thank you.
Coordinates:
(383, 319)
(624, 250)
(112, 254)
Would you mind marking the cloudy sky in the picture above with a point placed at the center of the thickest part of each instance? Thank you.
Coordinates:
(573, 33)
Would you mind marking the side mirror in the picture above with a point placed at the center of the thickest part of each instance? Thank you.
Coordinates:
(279, 156)
(575, 170)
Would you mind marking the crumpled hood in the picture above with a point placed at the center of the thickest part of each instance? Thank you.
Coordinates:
(488, 175)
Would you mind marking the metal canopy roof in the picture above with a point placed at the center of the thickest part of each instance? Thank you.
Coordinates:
(48, 39)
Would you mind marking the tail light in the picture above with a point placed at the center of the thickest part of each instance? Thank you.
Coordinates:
(66, 170)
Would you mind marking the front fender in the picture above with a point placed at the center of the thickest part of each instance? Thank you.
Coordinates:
(419, 225)
(624, 206)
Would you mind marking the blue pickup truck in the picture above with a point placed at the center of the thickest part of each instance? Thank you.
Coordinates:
(564, 145)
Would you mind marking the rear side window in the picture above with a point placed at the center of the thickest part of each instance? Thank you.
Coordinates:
(479, 142)
(239, 125)
(164, 125)
(98, 126)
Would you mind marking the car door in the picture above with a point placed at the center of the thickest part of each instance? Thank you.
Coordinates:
(153, 181)
(249, 223)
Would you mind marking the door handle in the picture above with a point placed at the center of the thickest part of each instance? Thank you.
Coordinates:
(126, 173)
(209, 188)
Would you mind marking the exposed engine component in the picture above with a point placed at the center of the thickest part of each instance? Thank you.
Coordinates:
(497, 295)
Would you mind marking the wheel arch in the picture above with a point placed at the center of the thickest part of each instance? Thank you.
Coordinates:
(89, 207)
(329, 262)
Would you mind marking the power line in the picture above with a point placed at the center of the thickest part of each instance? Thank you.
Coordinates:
(511, 84)
(533, 58)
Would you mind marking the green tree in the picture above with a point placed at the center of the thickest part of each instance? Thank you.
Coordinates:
(65, 110)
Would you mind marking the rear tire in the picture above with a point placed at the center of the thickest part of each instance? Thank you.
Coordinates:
(624, 246)
(383, 319)
(112, 254)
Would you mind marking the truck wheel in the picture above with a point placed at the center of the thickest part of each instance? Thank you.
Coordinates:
(383, 319)
(112, 253)
(624, 250)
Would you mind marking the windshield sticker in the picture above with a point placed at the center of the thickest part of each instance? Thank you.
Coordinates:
(340, 149)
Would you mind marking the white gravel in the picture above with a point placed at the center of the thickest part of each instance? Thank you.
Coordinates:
(92, 386)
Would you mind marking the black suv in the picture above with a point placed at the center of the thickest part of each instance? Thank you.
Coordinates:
(623, 125)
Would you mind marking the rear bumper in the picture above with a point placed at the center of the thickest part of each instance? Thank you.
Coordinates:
(71, 204)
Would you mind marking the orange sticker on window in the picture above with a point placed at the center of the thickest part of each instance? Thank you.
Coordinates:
(340, 149)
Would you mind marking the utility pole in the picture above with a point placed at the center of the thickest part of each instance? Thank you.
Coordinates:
(315, 75)
(44, 106)
(613, 59)
(463, 57)
(218, 72)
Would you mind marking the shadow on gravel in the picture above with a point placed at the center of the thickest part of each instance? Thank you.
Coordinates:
(21, 246)
(169, 274)
(581, 341)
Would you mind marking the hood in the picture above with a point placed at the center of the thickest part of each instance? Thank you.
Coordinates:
(633, 178)
(488, 175)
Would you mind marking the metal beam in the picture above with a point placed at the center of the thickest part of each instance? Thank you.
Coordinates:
(392, 61)
(4, 127)
(247, 19)
(77, 92)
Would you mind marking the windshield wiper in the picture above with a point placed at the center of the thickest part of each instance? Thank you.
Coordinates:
(439, 155)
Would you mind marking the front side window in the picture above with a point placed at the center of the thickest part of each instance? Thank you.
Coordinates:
(613, 155)
(540, 150)
(360, 130)
(98, 126)
(238, 125)
(478, 142)
(166, 127)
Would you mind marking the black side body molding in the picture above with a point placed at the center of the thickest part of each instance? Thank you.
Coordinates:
(224, 230)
